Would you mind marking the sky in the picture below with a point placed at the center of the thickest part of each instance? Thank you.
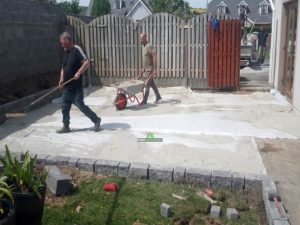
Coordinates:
(193, 3)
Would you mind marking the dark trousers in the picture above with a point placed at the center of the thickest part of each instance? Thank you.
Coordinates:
(151, 84)
(261, 54)
(75, 96)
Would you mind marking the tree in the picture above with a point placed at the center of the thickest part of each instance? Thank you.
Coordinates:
(100, 7)
(70, 7)
(178, 8)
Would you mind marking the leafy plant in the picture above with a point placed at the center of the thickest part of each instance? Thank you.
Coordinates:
(70, 7)
(21, 175)
(5, 190)
(100, 7)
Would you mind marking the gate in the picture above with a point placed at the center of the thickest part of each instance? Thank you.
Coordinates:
(224, 55)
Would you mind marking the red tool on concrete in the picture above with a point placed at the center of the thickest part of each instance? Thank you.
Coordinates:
(274, 196)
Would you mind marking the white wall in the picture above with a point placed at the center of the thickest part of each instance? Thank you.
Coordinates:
(279, 34)
(278, 53)
(296, 94)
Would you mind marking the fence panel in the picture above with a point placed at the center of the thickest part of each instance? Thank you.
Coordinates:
(196, 51)
(164, 31)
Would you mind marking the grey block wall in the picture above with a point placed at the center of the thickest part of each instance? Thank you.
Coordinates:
(29, 47)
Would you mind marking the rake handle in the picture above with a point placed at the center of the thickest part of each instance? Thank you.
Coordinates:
(50, 92)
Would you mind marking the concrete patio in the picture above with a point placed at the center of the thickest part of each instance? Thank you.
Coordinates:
(205, 130)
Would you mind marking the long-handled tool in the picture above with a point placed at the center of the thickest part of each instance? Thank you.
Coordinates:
(21, 114)
(50, 92)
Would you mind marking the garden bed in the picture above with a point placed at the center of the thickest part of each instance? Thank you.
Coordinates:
(138, 202)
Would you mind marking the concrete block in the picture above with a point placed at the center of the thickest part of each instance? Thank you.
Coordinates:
(179, 174)
(269, 185)
(281, 222)
(237, 182)
(57, 182)
(2, 115)
(232, 214)
(254, 181)
(274, 212)
(198, 176)
(220, 179)
(57, 160)
(139, 170)
(161, 173)
(165, 210)
(215, 211)
(17, 155)
(1, 167)
(86, 164)
(41, 158)
(107, 166)
(72, 161)
(123, 169)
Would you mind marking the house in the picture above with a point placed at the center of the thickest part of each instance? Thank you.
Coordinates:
(258, 12)
(285, 50)
(133, 9)
(139, 10)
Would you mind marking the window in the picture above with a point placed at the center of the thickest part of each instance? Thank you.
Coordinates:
(264, 9)
(221, 8)
(242, 9)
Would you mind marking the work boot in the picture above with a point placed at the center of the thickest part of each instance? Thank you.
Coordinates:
(97, 125)
(157, 99)
(64, 129)
(143, 103)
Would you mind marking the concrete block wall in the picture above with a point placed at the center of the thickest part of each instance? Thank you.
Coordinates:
(29, 47)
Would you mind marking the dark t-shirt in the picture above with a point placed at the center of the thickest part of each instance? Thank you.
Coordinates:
(71, 63)
(262, 38)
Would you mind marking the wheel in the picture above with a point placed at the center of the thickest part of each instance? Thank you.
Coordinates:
(121, 101)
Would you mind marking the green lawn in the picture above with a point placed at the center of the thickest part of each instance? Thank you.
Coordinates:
(137, 201)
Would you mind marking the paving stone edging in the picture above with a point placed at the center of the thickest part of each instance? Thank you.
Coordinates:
(214, 179)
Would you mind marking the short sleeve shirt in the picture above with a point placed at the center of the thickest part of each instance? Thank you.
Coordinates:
(147, 57)
(262, 38)
(71, 63)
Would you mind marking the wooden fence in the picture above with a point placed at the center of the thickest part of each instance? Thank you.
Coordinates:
(112, 42)
(224, 54)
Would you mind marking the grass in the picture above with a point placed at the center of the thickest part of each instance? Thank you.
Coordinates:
(199, 10)
(137, 201)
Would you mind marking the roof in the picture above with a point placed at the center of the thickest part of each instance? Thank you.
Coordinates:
(143, 2)
(252, 12)
(127, 6)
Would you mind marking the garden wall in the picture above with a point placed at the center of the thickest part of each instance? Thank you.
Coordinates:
(29, 47)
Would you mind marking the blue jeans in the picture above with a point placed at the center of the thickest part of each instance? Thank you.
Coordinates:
(75, 96)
